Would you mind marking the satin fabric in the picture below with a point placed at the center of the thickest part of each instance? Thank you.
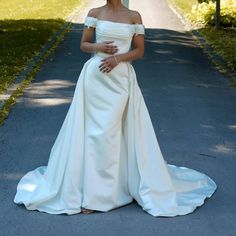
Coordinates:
(106, 153)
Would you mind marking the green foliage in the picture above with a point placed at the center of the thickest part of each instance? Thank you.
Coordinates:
(224, 43)
(184, 5)
(20, 40)
(206, 1)
(25, 27)
(19, 91)
(36, 9)
(204, 13)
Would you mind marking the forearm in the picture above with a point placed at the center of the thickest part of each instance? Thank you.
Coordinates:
(89, 47)
(131, 55)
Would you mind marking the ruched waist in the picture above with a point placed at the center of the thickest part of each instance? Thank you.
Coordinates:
(104, 55)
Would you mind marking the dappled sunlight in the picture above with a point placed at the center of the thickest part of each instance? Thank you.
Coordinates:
(18, 176)
(170, 37)
(170, 47)
(179, 60)
(175, 86)
(10, 176)
(161, 51)
(38, 102)
(51, 93)
(232, 127)
(173, 61)
(207, 126)
(205, 85)
(224, 148)
(49, 86)
(171, 41)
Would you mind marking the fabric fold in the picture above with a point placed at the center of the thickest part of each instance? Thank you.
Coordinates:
(162, 189)
(106, 153)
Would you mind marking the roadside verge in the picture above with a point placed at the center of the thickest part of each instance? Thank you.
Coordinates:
(219, 62)
(8, 97)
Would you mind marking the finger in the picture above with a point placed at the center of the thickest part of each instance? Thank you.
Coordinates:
(106, 69)
(104, 60)
(110, 69)
(111, 52)
(103, 64)
(114, 49)
(108, 50)
(111, 48)
(109, 42)
(103, 67)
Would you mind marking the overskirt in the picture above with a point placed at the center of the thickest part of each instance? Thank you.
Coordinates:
(106, 154)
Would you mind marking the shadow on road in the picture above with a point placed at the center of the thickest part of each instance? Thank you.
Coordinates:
(192, 108)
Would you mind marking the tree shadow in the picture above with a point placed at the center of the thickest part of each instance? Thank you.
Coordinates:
(191, 105)
(20, 41)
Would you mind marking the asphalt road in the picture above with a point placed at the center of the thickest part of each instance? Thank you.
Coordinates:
(193, 110)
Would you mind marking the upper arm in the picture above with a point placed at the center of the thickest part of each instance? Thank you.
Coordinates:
(87, 35)
(138, 39)
(138, 42)
(88, 32)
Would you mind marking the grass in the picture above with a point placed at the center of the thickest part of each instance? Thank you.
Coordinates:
(223, 41)
(20, 40)
(184, 5)
(25, 26)
(37, 9)
(19, 91)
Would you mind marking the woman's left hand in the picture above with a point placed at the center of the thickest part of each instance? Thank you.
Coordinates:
(108, 64)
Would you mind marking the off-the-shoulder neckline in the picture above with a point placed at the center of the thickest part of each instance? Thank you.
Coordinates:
(114, 22)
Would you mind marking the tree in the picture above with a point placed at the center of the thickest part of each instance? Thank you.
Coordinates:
(217, 14)
(217, 21)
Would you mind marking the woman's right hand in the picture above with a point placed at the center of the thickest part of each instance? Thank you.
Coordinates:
(106, 47)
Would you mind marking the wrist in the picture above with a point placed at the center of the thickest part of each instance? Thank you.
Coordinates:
(96, 47)
(118, 58)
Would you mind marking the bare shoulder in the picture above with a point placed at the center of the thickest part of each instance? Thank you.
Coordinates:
(135, 17)
(94, 12)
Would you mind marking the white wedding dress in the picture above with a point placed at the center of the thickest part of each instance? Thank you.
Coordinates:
(106, 153)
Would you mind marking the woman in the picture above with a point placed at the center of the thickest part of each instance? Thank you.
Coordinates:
(106, 154)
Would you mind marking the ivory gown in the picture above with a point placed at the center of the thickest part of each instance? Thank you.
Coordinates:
(106, 153)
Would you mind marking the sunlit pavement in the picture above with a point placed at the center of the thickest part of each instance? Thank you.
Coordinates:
(193, 109)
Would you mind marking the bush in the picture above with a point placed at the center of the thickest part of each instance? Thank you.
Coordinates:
(204, 13)
(206, 1)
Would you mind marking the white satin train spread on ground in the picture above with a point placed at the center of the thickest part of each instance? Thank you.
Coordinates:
(106, 153)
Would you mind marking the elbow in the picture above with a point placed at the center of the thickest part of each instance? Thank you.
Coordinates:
(82, 47)
(141, 53)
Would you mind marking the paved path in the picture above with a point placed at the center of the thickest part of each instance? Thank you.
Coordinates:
(193, 110)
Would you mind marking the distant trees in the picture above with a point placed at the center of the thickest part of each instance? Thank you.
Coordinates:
(217, 17)
(206, 1)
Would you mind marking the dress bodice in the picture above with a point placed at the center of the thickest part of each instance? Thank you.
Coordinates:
(120, 33)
